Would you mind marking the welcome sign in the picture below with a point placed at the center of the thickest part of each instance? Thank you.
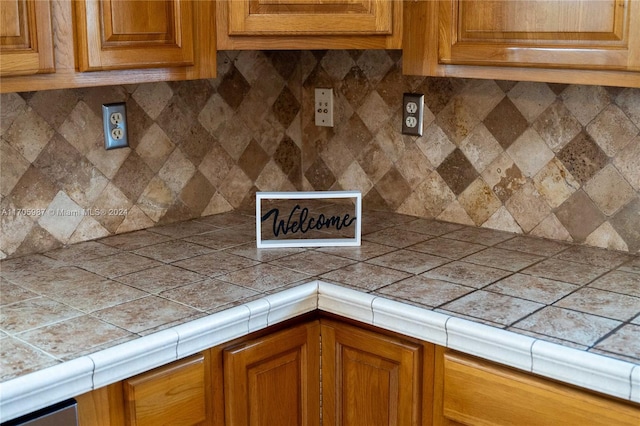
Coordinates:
(308, 219)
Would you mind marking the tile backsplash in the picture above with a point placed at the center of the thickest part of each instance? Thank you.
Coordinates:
(549, 160)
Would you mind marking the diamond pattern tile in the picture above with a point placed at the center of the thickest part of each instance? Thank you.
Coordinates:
(557, 161)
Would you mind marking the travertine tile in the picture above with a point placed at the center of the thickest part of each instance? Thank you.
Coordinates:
(579, 205)
(172, 251)
(480, 147)
(612, 130)
(160, 278)
(13, 167)
(431, 227)
(530, 152)
(625, 341)
(594, 257)
(365, 276)
(557, 126)
(609, 190)
(153, 98)
(532, 245)
(263, 277)
(145, 313)
(605, 236)
(494, 307)
(585, 102)
(632, 266)
(527, 207)
(408, 261)
(18, 358)
(365, 251)
(627, 223)
(395, 237)
(468, 274)
(425, 291)
(223, 238)
(89, 297)
(555, 183)
(503, 259)
(68, 338)
(134, 240)
(209, 294)
(532, 288)
(531, 98)
(603, 303)
(487, 237)
(82, 251)
(577, 327)
(119, 264)
(505, 111)
(562, 270)
(452, 249)
(34, 313)
(479, 201)
(312, 262)
(54, 280)
(28, 134)
(12, 293)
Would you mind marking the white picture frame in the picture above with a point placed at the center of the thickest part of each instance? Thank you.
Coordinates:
(316, 242)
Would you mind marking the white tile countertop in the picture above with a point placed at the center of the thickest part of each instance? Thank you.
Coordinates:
(82, 317)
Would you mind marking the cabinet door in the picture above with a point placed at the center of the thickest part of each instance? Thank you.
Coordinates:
(476, 392)
(274, 380)
(582, 34)
(26, 38)
(371, 379)
(129, 34)
(175, 394)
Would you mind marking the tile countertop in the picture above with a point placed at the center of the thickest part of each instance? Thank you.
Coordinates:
(84, 316)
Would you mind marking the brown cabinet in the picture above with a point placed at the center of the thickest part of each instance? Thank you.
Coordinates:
(471, 391)
(106, 42)
(175, 394)
(374, 379)
(309, 24)
(572, 41)
(26, 37)
(275, 379)
(134, 34)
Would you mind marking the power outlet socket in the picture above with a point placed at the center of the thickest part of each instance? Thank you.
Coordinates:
(324, 107)
(114, 119)
(412, 111)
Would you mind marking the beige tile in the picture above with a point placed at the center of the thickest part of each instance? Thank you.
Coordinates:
(395, 237)
(223, 238)
(435, 144)
(53, 280)
(605, 236)
(34, 313)
(551, 228)
(263, 277)
(528, 207)
(585, 102)
(594, 256)
(365, 276)
(217, 263)
(12, 166)
(531, 98)
(557, 126)
(562, 270)
(455, 213)
(555, 183)
(312, 262)
(145, 313)
(134, 240)
(11, 293)
(209, 294)
(409, 261)
(612, 130)
(90, 297)
(13, 106)
(627, 163)
(119, 264)
(172, 251)
(250, 251)
(29, 134)
(82, 128)
(429, 198)
(493, 307)
(479, 201)
(503, 259)
(68, 338)
(366, 250)
(603, 303)
(452, 249)
(425, 291)
(431, 227)
(578, 327)
(534, 245)
(153, 98)
(632, 265)
(160, 278)
(480, 147)
(479, 235)
(21, 267)
(468, 274)
(530, 153)
(625, 341)
(502, 220)
(18, 358)
(503, 176)
(609, 190)
(81, 252)
(532, 288)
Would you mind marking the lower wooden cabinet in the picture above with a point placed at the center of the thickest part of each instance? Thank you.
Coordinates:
(472, 391)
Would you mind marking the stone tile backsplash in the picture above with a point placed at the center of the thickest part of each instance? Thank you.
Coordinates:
(549, 160)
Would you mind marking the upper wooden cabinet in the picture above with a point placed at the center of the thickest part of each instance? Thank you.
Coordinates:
(116, 34)
(107, 42)
(571, 41)
(309, 24)
(26, 37)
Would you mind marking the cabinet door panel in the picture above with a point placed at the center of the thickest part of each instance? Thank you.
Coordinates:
(589, 34)
(26, 38)
(308, 17)
(477, 392)
(369, 378)
(175, 394)
(127, 34)
(274, 380)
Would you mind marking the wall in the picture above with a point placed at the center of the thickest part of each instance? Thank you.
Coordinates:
(557, 161)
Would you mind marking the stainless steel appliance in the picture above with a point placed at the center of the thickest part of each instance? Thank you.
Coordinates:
(64, 413)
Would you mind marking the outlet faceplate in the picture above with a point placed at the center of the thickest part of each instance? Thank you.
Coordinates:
(412, 110)
(114, 119)
(324, 107)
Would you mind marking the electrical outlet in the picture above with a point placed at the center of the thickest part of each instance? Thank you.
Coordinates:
(412, 110)
(114, 119)
(324, 107)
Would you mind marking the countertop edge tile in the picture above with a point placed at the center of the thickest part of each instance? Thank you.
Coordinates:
(635, 384)
(134, 357)
(258, 314)
(491, 343)
(292, 302)
(343, 301)
(410, 320)
(41, 388)
(212, 330)
(585, 369)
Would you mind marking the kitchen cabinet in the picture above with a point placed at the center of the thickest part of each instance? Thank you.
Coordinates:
(274, 379)
(107, 42)
(26, 37)
(176, 394)
(572, 41)
(369, 378)
(134, 34)
(472, 391)
(309, 24)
